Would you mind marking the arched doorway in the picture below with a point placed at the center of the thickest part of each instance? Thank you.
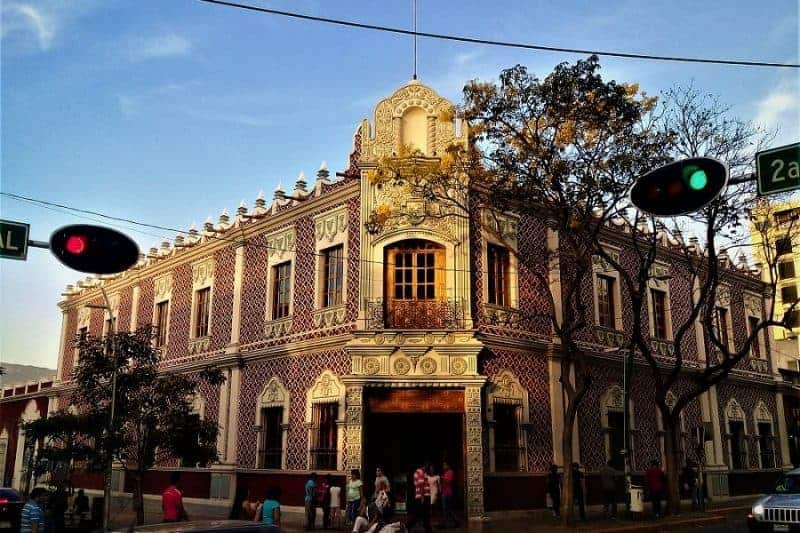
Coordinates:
(414, 294)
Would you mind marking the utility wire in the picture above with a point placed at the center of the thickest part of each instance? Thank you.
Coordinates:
(508, 44)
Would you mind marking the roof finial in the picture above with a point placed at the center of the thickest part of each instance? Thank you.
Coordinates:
(323, 173)
(260, 202)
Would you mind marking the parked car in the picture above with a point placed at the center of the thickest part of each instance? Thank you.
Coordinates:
(10, 509)
(780, 509)
(206, 526)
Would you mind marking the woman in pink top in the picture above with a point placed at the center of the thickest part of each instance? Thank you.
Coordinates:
(448, 479)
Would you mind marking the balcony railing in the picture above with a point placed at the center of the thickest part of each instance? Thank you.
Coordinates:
(323, 458)
(270, 458)
(414, 314)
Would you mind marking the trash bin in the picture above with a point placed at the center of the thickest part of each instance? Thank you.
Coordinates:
(637, 499)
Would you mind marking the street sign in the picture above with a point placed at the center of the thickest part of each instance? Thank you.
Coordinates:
(778, 169)
(14, 239)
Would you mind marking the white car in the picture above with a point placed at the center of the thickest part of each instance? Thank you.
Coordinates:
(780, 509)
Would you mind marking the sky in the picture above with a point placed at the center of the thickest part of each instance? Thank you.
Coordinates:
(168, 112)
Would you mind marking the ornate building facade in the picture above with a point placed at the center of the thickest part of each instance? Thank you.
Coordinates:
(351, 342)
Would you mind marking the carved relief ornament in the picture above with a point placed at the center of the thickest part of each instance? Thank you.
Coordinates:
(203, 273)
(752, 304)
(280, 245)
(163, 287)
(329, 226)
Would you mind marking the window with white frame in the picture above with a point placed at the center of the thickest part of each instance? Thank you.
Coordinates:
(199, 411)
(272, 424)
(658, 302)
(325, 408)
(500, 287)
(508, 415)
(202, 299)
(765, 437)
(161, 309)
(612, 414)
(721, 317)
(331, 283)
(497, 266)
(736, 426)
(280, 282)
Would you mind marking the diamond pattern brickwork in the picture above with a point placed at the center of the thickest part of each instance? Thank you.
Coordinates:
(68, 350)
(180, 318)
(125, 307)
(747, 397)
(531, 370)
(146, 295)
(297, 374)
(222, 306)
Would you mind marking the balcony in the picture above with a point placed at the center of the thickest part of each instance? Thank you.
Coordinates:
(609, 337)
(414, 314)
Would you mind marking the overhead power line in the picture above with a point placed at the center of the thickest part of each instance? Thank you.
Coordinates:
(507, 44)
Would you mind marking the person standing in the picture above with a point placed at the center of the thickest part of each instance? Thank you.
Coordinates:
(422, 499)
(577, 489)
(355, 494)
(380, 477)
(172, 500)
(311, 500)
(554, 489)
(32, 517)
(608, 480)
(654, 477)
(448, 482)
(270, 510)
(324, 500)
(695, 487)
(336, 505)
(435, 482)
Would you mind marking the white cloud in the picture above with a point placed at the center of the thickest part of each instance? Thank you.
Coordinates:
(780, 108)
(161, 47)
(21, 20)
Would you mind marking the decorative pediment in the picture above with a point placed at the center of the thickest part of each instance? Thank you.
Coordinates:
(84, 315)
(601, 264)
(670, 400)
(613, 399)
(761, 413)
(752, 304)
(331, 225)
(659, 275)
(734, 411)
(203, 273)
(280, 245)
(724, 295)
(274, 394)
(162, 286)
(327, 387)
(505, 385)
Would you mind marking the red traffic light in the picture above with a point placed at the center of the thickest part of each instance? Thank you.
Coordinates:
(94, 249)
(76, 244)
(680, 187)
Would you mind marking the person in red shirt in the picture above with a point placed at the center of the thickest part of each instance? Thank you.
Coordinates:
(448, 480)
(655, 478)
(324, 500)
(172, 500)
(422, 499)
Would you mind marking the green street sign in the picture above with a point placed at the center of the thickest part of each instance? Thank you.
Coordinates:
(778, 169)
(14, 240)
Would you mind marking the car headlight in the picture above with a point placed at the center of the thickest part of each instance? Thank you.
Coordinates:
(758, 510)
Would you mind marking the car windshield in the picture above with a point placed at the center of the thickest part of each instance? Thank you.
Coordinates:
(9, 494)
(788, 485)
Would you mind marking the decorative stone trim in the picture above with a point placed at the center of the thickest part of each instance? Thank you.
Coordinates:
(724, 296)
(202, 273)
(199, 344)
(752, 304)
(758, 365)
(84, 317)
(500, 316)
(659, 270)
(330, 316)
(505, 226)
(329, 225)
(609, 337)
(474, 466)
(163, 287)
(600, 264)
(274, 394)
(280, 244)
(662, 347)
(278, 328)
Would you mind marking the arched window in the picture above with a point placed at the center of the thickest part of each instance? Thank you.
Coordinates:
(736, 435)
(765, 437)
(508, 417)
(272, 424)
(325, 410)
(612, 414)
(415, 285)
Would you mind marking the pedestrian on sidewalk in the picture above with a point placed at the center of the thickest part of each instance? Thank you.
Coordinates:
(655, 480)
(554, 489)
(311, 500)
(696, 487)
(577, 489)
(355, 495)
(608, 479)
(324, 500)
(435, 482)
(172, 500)
(32, 518)
(269, 512)
(422, 499)
(448, 481)
(336, 503)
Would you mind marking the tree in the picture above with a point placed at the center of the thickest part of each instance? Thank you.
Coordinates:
(153, 413)
(562, 151)
(695, 125)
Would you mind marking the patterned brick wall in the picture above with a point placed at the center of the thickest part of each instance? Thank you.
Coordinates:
(531, 370)
(125, 308)
(146, 295)
(254, 290)
(180, 318)
(97, 317)
(68, 350)
(222, 306)
(747, 397)
(297, 374)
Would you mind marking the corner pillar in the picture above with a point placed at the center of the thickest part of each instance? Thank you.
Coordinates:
(474, 466)
(354, 424)
(782, 433)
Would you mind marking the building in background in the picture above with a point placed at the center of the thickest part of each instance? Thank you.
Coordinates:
(349, 340)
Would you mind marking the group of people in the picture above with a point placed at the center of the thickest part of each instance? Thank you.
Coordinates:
(655, 488)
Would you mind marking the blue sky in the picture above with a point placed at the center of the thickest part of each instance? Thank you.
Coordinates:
(168, 112)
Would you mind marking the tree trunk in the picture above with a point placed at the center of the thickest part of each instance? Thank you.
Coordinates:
(138, 497)
(672, 465)
(568, 485)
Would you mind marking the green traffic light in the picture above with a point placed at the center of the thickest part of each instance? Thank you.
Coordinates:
(696, 176)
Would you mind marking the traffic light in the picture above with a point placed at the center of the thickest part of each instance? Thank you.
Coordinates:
(93, 249)
(680, 187)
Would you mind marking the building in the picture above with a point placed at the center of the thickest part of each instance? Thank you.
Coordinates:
(780, 224)
(351, 341)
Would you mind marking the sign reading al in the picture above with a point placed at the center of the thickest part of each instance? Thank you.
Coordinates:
(778, 169)
(14, 239)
